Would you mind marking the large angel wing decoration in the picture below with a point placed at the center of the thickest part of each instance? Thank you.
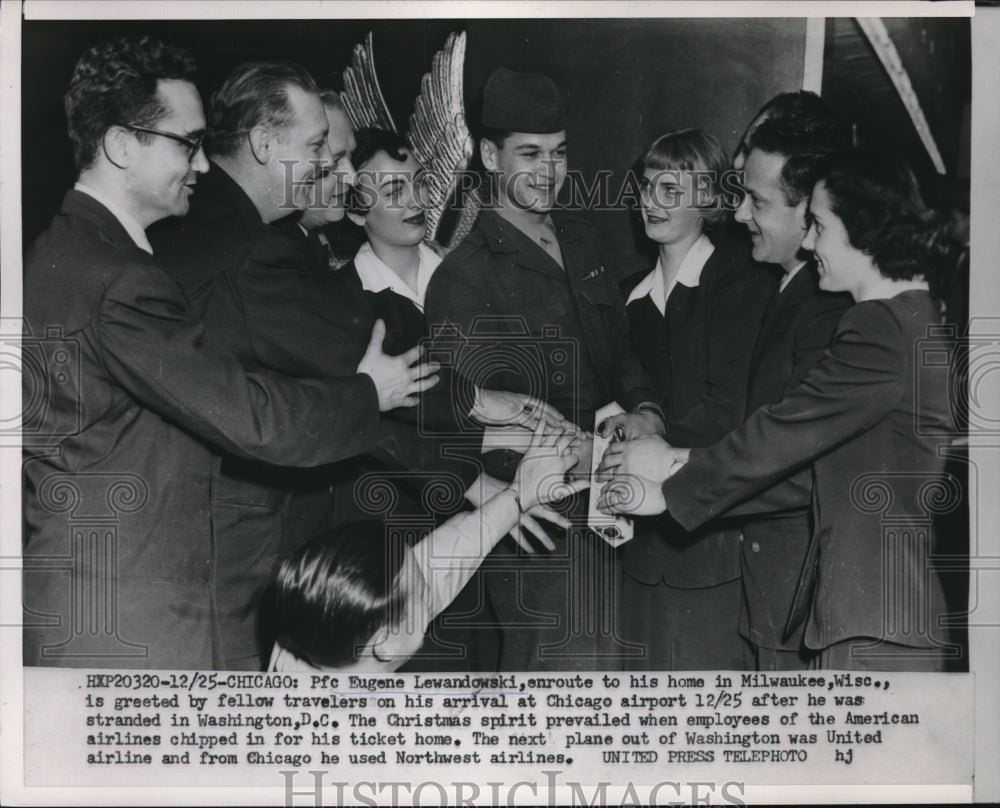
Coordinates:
(362, 96)
(438, 132)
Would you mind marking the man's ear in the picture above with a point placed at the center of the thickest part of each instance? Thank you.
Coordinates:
(380, 645)
(488, 152)
(260, 144)
(356, 218)
(801, 211)
(118, 145)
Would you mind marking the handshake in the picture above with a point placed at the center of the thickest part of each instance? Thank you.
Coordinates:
(633, 469)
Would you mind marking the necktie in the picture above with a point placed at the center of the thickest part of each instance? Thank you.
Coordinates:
(550, 243)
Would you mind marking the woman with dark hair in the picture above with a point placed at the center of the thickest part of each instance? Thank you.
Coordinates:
(692, 322)
(869, 420)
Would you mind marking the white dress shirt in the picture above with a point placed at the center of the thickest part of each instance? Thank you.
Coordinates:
(688, 274)
(787, 278)
(376, 276)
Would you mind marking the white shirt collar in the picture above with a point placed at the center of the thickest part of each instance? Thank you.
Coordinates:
(688, 274)
(788, 277)
(132, 227)
(377, 276)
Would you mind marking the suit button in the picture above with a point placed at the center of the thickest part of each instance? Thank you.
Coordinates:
(755, 547)
(741, 538)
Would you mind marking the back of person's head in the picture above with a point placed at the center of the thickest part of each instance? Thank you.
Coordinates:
(254, 94)
(369, 142)
(115, 83)
(876, 196)
(801, 105)
(804, 134)
(335, 592)
(696, 151)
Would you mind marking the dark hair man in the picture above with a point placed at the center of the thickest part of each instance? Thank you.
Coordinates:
(120, 557)
(529, 280)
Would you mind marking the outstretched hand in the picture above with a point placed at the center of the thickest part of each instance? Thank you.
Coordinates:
(398, 379)
(541, 475)
(503, 408)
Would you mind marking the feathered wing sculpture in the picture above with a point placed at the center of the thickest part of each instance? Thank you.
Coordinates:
(362, 94)
(438, 131)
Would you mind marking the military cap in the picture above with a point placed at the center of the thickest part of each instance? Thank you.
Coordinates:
(523, 102)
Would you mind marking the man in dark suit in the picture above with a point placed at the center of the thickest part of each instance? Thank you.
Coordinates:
(120, 558)
(532, 309)
(263, 301)
(798, 324)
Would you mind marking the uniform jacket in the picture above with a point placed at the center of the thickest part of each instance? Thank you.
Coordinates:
(119, 460)
(698, 356)
(563, 333)
(867, 420)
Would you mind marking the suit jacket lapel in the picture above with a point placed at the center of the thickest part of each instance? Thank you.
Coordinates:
(779, 308)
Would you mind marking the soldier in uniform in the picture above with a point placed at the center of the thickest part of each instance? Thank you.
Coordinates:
(536, 311)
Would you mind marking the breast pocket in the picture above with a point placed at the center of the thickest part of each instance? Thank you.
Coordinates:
(596, 289)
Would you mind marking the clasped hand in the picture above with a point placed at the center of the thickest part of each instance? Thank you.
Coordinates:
(634, 472)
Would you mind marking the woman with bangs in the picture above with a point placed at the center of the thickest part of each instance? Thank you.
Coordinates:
(693, 320)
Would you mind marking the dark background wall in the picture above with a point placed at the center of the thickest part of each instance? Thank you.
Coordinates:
(626, 81)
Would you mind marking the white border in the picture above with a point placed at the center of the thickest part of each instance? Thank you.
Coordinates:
(985, 302)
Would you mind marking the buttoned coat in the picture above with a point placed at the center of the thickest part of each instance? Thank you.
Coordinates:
(698, 356)
(508, 317)
(120, 458)
(263, 302)
(868, 421)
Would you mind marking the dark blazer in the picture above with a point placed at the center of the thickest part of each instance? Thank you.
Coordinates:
(262, 302)
(119, 465)
(564, 332)
(868, 420)
(698, 355)
(798, 325)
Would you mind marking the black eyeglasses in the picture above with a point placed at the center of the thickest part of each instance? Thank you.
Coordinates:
(193, 144)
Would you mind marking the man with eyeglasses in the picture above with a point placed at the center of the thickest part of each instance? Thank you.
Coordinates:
(126, 409)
